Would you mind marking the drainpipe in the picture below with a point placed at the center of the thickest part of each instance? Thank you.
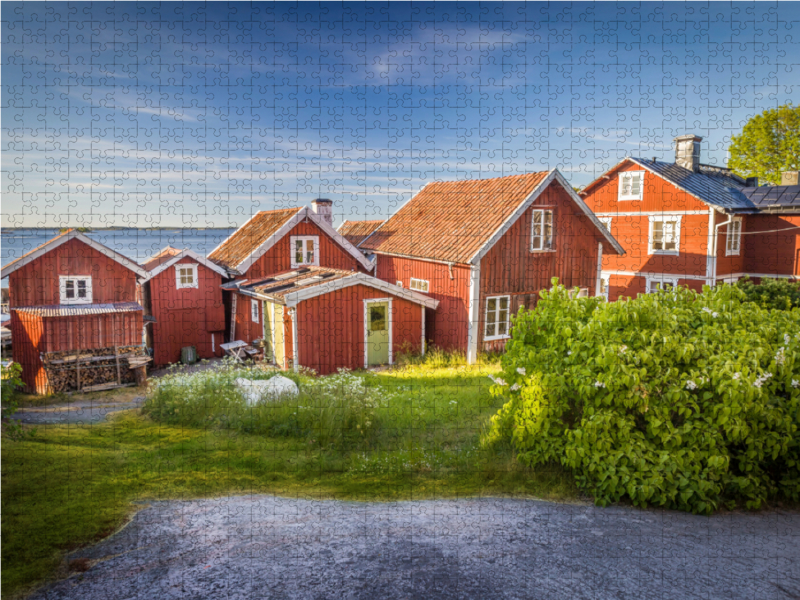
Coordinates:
(716, 238)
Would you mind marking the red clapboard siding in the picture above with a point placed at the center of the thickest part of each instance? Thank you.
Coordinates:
(446, 327)
(771, 252)
(36, 283)
(511, 269)
(278, 258)
(248, 330)
(330, 328)
(186, 316)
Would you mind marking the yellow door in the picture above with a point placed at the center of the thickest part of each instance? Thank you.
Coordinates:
(276, 314)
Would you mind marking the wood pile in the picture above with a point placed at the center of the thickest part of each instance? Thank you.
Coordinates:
(97, 369)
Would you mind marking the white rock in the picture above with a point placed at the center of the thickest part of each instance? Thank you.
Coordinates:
(257, 390)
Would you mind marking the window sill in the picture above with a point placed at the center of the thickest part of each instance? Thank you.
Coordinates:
(621, 199)
(187, 287)
(664, 252)
(496, 337)
(731, 254)
(543, 251)
(65, 302)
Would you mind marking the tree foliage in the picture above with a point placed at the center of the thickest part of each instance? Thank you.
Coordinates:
(674, 399)
(768, 145)
(782, 294)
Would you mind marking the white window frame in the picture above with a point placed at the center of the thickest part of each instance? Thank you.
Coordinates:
(293, 239)
(420, 285)
(62, 289)
(178, 283)
(650, 241)
(606, 221)
(254, 312)
(540, 246)
(507, 334)
(660, 279)
(601, 292)
(399, 284)
(734, 233)
(630, 196)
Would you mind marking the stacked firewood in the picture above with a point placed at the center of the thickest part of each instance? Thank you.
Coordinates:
(93, 370)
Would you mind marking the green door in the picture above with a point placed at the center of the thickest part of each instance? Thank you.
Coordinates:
(377, 333)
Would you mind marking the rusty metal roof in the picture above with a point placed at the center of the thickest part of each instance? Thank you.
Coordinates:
(451, 221)
(278, 285)
(250, 236)
(356, 232)
(61, 310)
(160, 258)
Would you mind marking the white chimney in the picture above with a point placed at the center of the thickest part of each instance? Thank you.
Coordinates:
(687, 151)
(324, 208)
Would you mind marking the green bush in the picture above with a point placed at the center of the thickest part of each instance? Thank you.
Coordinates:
(675, 399)
(782, 294)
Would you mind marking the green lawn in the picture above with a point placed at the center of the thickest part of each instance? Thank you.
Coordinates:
(70, 486)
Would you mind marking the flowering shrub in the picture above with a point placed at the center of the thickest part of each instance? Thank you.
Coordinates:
(674, 399)
(337, 410)
(783, 294)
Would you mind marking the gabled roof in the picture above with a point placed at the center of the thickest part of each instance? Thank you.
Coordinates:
(169, 256)
(459, 221)
(63, 238)
(715, 186)
(292, 287)
(356, 232)
(263, 230)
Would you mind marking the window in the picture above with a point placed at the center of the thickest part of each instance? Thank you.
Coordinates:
(665, 235)
(734, 243)
(185, 276)
(631, 185)
(75, 290)
(606, 221)
(399, 284)
(657, 282)
(254, 310)
(542, 230)
(603, 287)
(305, 250)
(497, 310)
(421, 285)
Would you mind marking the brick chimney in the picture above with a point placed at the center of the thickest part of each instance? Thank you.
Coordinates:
(687, 151)
(324, 208)
(790, 178)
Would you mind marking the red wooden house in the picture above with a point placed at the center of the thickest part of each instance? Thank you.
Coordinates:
(71, 293)
(687, 223)
(483, 248)
(183, 296)
(303, 289)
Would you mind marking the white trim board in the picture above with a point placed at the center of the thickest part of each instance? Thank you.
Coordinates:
(652, 213)
(473, 323)
(293, 299)
(646, 274)
(184, 254)
(63, 239)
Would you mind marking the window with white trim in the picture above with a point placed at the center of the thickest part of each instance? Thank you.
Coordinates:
(734, 242)
(631, 185)
(305, 250)
(399, 284)
(604, 284)
(75, 289)
(497, 317)
(541, 230)
(421, 285)
(665, 235)
(654, 284)
(606, 221)
(254, 310)
(185, 276)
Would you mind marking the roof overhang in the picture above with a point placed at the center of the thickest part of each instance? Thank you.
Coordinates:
(186, 253)
(63, 239)
(553, 176)
(293, 299)
(303, 213)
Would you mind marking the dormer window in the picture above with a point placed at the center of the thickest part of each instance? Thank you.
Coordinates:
(75, 289)
(305, 250)
(631, 185)
(185, 276)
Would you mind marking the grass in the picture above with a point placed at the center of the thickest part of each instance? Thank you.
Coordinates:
(72, 485)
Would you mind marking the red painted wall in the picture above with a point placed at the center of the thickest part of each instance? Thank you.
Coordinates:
(446, 327)
(278, 258)
(246, 329)
(330, 328)
(186, 316)
(33, 335)
(36, 284)
(771, 252)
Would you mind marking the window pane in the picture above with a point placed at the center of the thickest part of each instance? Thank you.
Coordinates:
(309, 251)
(503, 303)
(626, 185)
(70, 288)
(658, 235)
(298, 251)
(491, 305)
(81, 288)
(377, 318)
(635, 184)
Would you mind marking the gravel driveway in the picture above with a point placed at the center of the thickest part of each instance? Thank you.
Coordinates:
(267, 547)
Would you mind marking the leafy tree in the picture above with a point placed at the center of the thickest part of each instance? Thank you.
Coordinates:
(782, 294)
(769, 144)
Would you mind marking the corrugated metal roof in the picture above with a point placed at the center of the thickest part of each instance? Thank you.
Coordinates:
(286, 282)
(713, 185)
(356, 232)
(60, 310)
(249, 237)
(451, 221)
(779, 197)
(160, 258)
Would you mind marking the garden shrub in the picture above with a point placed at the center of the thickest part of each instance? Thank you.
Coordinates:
(782, 294)
(674, 399)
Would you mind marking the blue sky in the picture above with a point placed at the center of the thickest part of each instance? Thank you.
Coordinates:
(191, 114)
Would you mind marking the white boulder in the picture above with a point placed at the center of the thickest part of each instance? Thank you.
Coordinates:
(258, 390)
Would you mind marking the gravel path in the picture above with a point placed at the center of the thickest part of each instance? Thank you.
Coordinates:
(267, 547)
(80, 411)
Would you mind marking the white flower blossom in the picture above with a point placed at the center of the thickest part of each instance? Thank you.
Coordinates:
(622, 349)
(762, 380)
(795, 383)
(691, 385)
(521, 370)
(780, 356)
(500, 381)
(514, 387)
(569, 352)
(599, 384)
(786, 339)
(737, 376)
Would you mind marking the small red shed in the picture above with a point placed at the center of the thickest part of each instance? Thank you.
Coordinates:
(71, 293)
(183, 296)
(327, 319)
